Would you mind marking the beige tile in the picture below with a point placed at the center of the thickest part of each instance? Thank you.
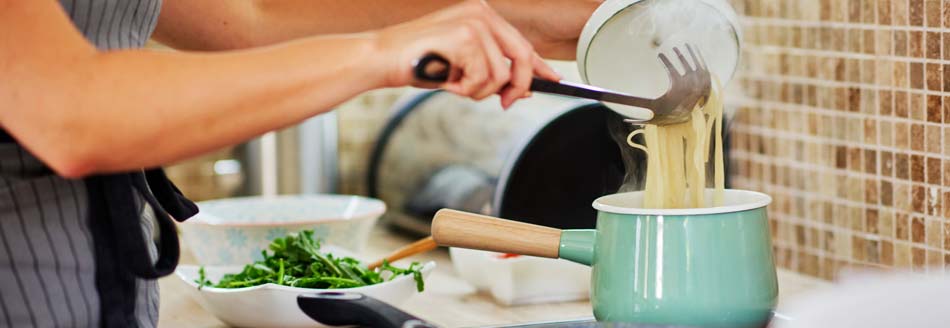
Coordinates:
(902, 255)
(935, 233)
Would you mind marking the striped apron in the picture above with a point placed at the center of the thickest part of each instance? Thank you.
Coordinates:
(85, 253)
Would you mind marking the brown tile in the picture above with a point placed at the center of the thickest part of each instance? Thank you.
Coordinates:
(854, 10)
(946, 77)
(869, 46)
(919, 258)
(946, 15)
(900, 43)
(872, 249)
(932, 13)
(915, 44)
(857, 248)
(945, 37)
(871, 191)
(854, 159)
(885, 99)
(934, 76)
(932, 142)
(946, 236)
(934, 108)
(887, 196)
(887, 253)
(918, 199)
(917, 75)
(868, 14)
(933, 45)
(946, 111)
(884, 12)
(917, 137)
(946, 200)
(917, 168)
(902, 226)
(854, 99)
(901, 104)
(933, 170)
(902, 166)
(946, 174)
(871, 219)
(917, 230)
(916, 12)
(841, 157)
(870, 161)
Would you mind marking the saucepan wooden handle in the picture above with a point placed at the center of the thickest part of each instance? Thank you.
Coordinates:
(468, 230)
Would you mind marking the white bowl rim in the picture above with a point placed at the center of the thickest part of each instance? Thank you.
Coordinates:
(426, 269)
(758, 200)
(380, 208)
(610, 8)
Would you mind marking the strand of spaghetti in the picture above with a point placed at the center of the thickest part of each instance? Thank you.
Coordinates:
(636, 145)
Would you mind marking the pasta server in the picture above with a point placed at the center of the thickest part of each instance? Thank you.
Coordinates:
(685, 91)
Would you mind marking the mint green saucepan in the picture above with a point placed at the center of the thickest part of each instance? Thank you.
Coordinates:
(705, 267)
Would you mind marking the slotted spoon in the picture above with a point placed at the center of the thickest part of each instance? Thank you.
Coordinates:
(686, 89)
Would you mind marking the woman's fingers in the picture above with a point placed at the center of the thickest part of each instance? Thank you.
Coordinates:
(520, 52)
(542, 70)
(469, 57)
(479, 44)
(498, 68)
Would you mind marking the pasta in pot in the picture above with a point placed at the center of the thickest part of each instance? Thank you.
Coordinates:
(677, 156)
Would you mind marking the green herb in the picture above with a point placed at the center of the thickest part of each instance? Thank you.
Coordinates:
(296, 261)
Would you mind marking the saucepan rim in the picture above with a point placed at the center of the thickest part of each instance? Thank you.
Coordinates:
(749, 200)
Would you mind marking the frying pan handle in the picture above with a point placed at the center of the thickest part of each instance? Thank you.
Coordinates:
(475, 231)
(432, 68)
(354, 309)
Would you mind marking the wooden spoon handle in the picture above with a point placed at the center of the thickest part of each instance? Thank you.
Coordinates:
(420, 246)
(469, 230)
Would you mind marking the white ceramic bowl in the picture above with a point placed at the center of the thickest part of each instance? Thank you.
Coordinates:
(272, 305)
(233, 231)
(523, 279)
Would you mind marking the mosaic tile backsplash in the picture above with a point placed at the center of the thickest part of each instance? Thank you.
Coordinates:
(844, 118)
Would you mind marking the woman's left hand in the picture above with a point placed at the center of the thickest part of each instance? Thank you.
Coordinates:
(552, 26)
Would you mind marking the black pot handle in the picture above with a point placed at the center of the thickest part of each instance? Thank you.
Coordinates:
(354, 309)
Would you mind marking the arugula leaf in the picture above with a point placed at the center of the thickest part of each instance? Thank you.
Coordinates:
(296, 260)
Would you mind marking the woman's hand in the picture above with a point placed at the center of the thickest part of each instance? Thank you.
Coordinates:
(477, 41)
(552, 26)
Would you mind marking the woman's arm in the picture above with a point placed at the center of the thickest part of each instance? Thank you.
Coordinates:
(552, 26)
(83, 111)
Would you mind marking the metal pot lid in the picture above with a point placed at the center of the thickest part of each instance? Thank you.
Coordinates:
(619, 45)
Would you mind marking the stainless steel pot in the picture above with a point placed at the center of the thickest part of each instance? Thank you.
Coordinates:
(441, 151)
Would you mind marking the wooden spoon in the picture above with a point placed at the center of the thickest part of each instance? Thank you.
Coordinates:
(420, 246)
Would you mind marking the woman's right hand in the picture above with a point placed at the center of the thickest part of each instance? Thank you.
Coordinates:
(476, 41)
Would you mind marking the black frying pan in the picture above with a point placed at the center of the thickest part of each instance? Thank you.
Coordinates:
(354, 309)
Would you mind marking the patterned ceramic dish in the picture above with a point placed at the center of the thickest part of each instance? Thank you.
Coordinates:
(233, 231)
(272, 305)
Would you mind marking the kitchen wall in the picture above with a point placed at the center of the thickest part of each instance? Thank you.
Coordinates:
(843, 118)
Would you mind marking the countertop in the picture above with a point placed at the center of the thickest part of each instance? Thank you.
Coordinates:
(448, 301)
